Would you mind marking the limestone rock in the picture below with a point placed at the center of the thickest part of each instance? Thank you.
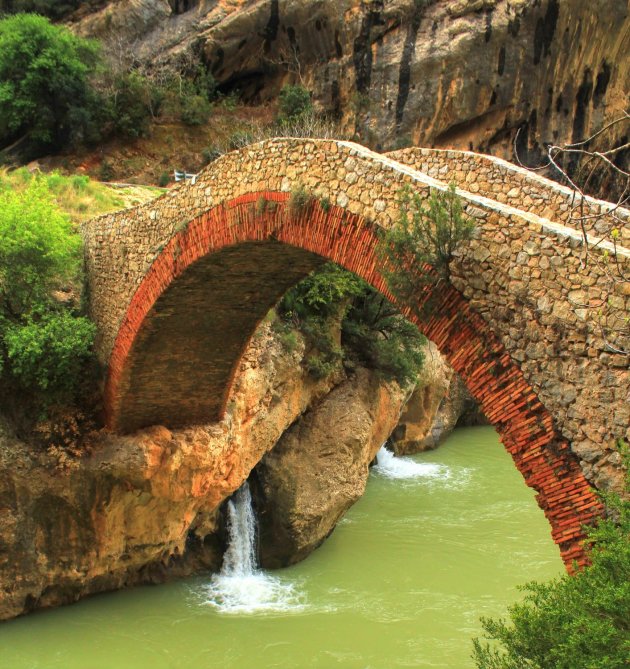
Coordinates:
(456, 73)
(319, 468)
(439, 402)
(142, 507)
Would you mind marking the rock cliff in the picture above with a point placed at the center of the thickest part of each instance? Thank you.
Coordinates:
(147, 507)
(130, 511)
(451, 73)
(319, 467)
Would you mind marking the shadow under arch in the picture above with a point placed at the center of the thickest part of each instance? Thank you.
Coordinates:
(189, 321)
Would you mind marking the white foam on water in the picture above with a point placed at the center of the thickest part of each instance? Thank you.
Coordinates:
(393, 467)
(240, 587)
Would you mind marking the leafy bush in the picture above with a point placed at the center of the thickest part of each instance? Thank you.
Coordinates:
(39, 250)
(43, 344)
(49, 354)
(571, 622)
(45, 92)
(418, 249)
(55, 9)
(128, 108)
(195, 110)
(293, 102)
(382, 339)
(372, 331)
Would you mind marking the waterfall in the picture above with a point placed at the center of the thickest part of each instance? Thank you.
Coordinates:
(240, 586)
(393, 467)
(240, 556)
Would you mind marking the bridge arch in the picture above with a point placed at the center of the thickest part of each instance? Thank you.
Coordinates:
(195, 299)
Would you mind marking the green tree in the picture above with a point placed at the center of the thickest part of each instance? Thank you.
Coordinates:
(418, 249)
(39, 250)
(572, 622)
(45, 92)
(44, 343)
(294, 101)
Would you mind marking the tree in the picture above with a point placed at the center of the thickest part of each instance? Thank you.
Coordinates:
(293, 102)
(39, 251)
(418, 248)
(44, 343)
(45, 92)
(572, 622)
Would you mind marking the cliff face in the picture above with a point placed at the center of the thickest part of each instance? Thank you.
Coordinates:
(146, 507)
(450, 73)
(143, 505)
(319, 467)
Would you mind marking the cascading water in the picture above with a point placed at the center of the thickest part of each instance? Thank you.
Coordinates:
(393, 467)
(240, 556)
(241, 587)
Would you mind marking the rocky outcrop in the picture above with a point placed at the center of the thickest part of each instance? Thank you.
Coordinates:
(452, 73)
(143, 506)
(147, 507)
(438, 404)
(319, 468)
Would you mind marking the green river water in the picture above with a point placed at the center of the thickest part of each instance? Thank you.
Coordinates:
(400, 583)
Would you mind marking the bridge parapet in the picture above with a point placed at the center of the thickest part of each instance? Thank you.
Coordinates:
(516, 186)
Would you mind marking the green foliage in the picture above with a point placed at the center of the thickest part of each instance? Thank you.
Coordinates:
(195, 110)
(417, 250)
(49, 354)
(44, 345)
(572, 622)
(54, 9)
(39, 250)
(45, 93)
(382, 339)
(294, 101)
(164, 180)
(129, 105)
(106, 171)
(299, 199)
(372, 330)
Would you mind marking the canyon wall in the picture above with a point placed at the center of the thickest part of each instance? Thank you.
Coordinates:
(449, 73)
(146, 507)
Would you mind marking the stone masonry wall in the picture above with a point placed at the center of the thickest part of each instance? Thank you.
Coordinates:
(519, 275)
(516, 186)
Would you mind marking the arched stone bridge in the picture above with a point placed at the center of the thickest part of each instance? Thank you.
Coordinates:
(178, 285)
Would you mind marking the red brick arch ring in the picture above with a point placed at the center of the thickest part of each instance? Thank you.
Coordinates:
(182, 337)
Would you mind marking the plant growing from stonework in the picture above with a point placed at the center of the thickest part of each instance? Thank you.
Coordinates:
(571, 622)
(299, 199)
(417, 250)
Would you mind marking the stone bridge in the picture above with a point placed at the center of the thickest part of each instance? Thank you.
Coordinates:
(177, 287)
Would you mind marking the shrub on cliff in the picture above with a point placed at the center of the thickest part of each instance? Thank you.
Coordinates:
(427, 232)
(44, 342)
(572, 622)
(45, 92)
(294, 101)
(373, 333)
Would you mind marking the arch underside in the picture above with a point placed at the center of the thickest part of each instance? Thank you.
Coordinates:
(174, 359)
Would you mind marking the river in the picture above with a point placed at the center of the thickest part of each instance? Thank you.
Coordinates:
(402, 582)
